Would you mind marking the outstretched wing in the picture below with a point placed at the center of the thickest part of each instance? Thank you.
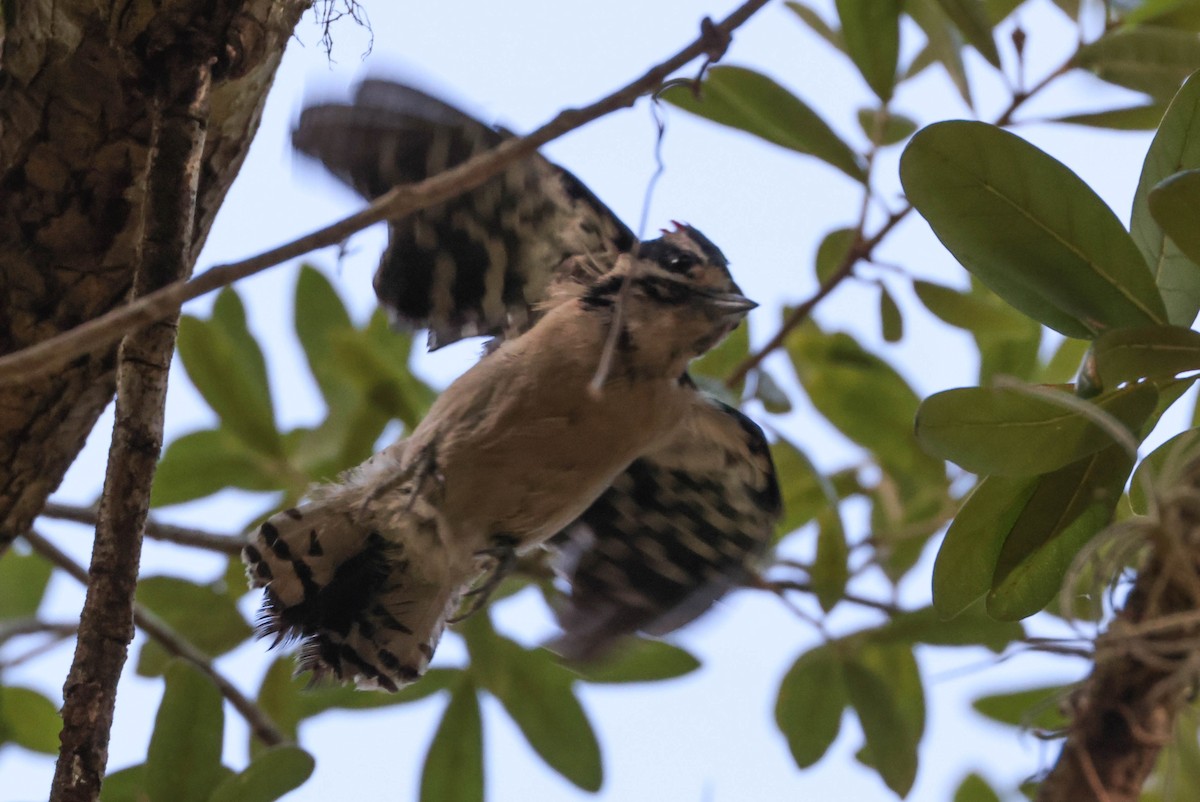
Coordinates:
(681, 527)
(478, 263)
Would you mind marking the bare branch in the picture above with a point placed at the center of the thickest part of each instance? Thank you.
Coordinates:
(49, 355)
(264, 728)
(182, 535)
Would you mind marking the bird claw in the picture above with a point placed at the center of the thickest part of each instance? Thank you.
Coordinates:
(504, 553)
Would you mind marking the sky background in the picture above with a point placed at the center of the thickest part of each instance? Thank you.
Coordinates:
(711, 735)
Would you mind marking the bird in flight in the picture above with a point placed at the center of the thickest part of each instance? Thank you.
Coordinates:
(579, 429)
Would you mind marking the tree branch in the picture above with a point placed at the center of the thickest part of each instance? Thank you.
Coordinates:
(178, 133)
(49, 355)
(181, 535)
(260, 723)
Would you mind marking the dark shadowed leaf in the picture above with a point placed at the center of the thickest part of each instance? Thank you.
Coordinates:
(752, 102)
(1155, 352)
(226, 365)
(1029, 228)
(29, 720)
(871, 30)
(183, 763)
(975, 789)
(1164, 467)
(1144, 117)
(201, 463)
(454, 763)
(1146, 59)
(1173, 203)
(23, 579)
(885, 128)
(268, 777)
(811, 700)
(884, 686)
(718, 363)
(1065, 511)
(210, 619)
(966, 561)
(1176, 147)
(1034, 708)
(1007, 431)
(639, 660)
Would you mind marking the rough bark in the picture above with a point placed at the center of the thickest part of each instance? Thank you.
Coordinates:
(76, 86)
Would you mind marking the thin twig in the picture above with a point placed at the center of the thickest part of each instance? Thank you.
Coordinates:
(101, 332)
(264, 728)
(182, 535)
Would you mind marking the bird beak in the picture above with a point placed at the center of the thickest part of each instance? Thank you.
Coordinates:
(731, 305)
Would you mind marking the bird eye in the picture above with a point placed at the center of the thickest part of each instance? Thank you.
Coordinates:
(680, 262)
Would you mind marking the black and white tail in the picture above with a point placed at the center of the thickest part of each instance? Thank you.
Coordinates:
(359, 576)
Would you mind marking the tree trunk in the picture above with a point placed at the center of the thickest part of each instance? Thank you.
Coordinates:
(75, 93)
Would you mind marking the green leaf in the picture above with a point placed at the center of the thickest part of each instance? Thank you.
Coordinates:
(1034, 708)
(1009, 432)
(1164, 467)
(639, 660)
(454, 763)
(226, 365)
(830, 569)
(1175, 148)
(1154, 352)
(806, 492)
(208, 616)
(29, 720)
(752, 102)
(537, 693)
(890, 318)
(972, 627)
(1064, 364)
(1065, 511)
(871, 29)
(1144, 117)
(23, 580)
(1146, 59)
(809, 708)
(974, 788)
(773, 397)
(201, 463)
(1173, 204)
(885, 128)
(832, 251)
(884, 686)
(971, 19)
(966, 561)
(319, 313)
(268, 777)
(183, 763)
(126, 785)
(944, 45)
(721, 361)
(819, 26)
(968, 311)
(1029, 228)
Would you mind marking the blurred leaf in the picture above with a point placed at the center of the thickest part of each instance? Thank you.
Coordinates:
(969, 628)
(944, 44)
(968, 311)
(537, 693)
(971, 19)
(1029, 228)
(1146, 59)
(183, 762)
(768, 391)
(884, 686)
(1036, 708)
(453, 767)
(29, 720)
(201, 463)
(751, 102)
(966, 561)
(885, 128)
(1156, 352)
(822, 28)
(811, 700)
(319, 313)
(806, 492)
(830, 569)
(1067, 508)
(226, 365)
(1064, 364)
(871, 30)
(721, 361)
(1002, 353)
(1163, 467)
(975, 789)
(1145, 117)
(890, 318)
(639, 660)
(1008, 431)
(998, 10)
(23, 580)
(1176, 147)
(832, 251)
(210, 619)
(1173, 203)
(125, 785)
(268, 777)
